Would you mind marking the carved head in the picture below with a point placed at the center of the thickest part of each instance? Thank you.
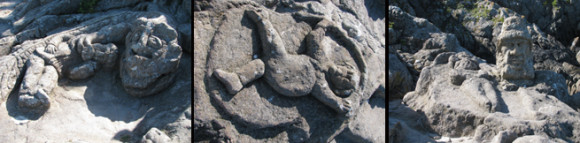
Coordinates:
(514, 53)
(151, 59)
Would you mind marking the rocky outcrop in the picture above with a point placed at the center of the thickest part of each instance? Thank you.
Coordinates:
(416, 44)
(519, 85)
(47, 45)
(305, 69)
(486, 106)
(477, 24)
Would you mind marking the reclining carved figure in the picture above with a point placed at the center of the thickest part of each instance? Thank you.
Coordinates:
(299, 75)
(148, 64)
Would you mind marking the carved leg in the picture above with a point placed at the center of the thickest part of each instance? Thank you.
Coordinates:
(105, 54)
(83, 71)
(290, 75)
(271, 41)
(48, 79)
(322, 92)
(230, 80)
(344, 79)
(29, 86)
(235, 81)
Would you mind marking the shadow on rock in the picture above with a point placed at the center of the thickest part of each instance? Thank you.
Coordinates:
(15, 111)
(375, 9)
(104, 99)
(160, 110)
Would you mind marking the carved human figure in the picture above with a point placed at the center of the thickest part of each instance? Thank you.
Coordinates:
(149, 62)
(514, 55)
(294, 75)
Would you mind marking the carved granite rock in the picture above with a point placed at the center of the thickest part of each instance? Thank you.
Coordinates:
(47, 46)
(514, 56)
(151, 57)
(495, 102)
(307, 48)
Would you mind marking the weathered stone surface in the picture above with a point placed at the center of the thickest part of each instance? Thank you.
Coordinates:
(400, 130)
(151, 57)
(251, 71)
(51, 50)
(292, 76)
(486, 109)
(400, 80)
(516, 86)
(514, 56)
(154, 135)
(536, 139)
(305, 48)
(83, 71)
(363, 127)
(230, 80)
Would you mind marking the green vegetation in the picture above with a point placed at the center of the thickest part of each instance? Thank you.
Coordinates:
(125, 138)
(403, 42)
(497, 20)
(460, 6)
(87, 6)
(391, 24)
(480, 12)
(555, 4)
(448, 10)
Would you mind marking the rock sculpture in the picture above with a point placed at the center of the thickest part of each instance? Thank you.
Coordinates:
(514, 56)
(147, 67)
(150, 61)
(293, 75)
(235, 81)
(87, 63)
(268, 62)
(496, 101)
(298, 75)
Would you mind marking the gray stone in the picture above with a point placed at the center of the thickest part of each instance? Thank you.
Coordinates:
(514, 56)
(456, 78)
(369, 123)
(250, 109)
(504, 137)
(154, 135)
(83, 71)
(331, 55)
(230, 80)
(405, 124)
(29, 88)
(400, 80)
(251, 71)
(151, 58)
(532, 139)
(290, 75)
(47, 44)
(486, 109)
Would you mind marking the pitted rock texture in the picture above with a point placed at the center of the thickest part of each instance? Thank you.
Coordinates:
(516, 80)
(84, 64)
(151, 57)
(289, 71)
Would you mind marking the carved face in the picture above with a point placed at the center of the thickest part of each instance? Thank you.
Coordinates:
(151, 58)
(515, 59)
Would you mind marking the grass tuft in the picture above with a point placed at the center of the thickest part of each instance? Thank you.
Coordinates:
(87, 6)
